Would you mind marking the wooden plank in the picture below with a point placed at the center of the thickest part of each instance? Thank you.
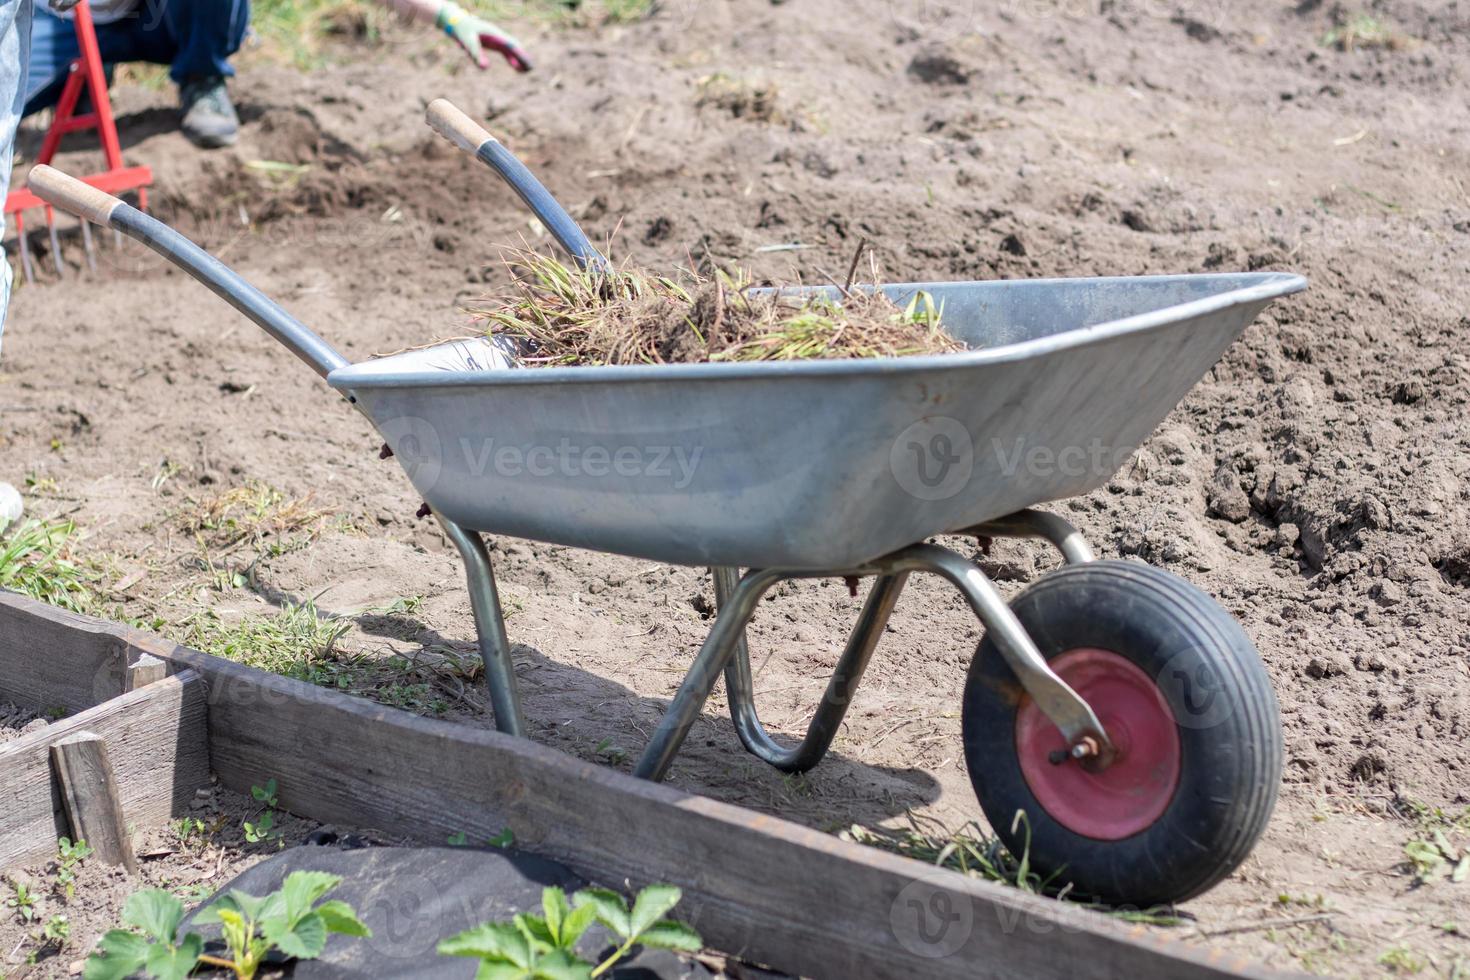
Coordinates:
(90, 797)
(52, 659)
(157, 739)
(756, 886)
(144, 671)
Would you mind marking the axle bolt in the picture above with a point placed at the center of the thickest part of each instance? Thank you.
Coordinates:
(1085, 748)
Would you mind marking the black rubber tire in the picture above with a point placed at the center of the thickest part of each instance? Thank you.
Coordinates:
(1228, 722)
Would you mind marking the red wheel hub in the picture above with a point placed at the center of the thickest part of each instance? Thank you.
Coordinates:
(1132, 792)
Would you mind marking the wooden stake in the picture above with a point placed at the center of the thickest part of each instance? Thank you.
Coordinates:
(145, 670)
(89, 793)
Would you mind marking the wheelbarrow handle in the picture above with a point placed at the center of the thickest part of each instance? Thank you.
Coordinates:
(91, 204)
(450, 122)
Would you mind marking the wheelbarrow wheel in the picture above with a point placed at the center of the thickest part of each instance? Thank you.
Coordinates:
(1188, 705)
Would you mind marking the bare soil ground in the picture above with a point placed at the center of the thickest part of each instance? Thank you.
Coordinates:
(1315, 482)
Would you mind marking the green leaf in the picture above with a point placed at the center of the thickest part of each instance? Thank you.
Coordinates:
(174, 962)
(505, 838)
(561, 965)
(554, 906)
(1462, 870)
(577, 923)
(303, 938)
(612, 910)
(652, 904)
(155, 913)
(302, 888)
(671, 935)
(244, 905)
(536, 930)
(491, 940)
(119, 954)
(340, 917)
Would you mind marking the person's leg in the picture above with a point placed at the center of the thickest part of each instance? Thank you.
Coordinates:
(196, 40)
(53, 49)
(15, 48)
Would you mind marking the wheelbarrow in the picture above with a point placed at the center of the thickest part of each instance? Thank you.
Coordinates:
(1118, 706)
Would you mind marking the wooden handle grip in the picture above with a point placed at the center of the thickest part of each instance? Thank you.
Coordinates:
(71, 195)
(452, 124)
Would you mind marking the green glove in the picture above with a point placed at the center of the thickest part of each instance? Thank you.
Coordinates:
(477, 35)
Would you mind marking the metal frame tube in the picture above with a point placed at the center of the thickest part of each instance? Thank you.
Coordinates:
(718, 648)
(725, 650)
(846, 677)
(1039, 524)
(500, 674)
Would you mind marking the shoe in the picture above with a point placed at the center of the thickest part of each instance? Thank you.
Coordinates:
(209, 116)
(11, 506)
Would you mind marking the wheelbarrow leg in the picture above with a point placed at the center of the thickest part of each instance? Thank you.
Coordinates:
(719, 647)
(500, 674)
(824, 725)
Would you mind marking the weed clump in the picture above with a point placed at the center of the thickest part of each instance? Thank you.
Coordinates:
(561, 315)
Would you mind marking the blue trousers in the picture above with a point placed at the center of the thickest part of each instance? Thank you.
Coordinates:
(195, 38)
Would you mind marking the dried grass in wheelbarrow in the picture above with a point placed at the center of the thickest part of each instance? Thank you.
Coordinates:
(562, 315)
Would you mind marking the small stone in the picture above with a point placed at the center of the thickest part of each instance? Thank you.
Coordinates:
(1287, 535)
(1386, 593)
(1226, 498)
(1330, 665)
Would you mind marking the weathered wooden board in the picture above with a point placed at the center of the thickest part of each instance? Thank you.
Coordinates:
(82, 766)
(158, 748)
(756, 886)
(58, 660)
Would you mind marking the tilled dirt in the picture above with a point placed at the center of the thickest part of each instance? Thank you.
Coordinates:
(1315, 482)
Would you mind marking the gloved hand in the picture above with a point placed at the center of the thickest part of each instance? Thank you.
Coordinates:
(477, 35)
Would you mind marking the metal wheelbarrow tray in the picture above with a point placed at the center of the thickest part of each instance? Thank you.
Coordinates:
(814, 464)
(1117, 706)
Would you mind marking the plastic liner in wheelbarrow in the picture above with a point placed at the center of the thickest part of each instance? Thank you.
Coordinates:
(813, 464)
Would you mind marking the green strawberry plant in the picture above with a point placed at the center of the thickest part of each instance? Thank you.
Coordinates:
(543, 947)
(291, 920)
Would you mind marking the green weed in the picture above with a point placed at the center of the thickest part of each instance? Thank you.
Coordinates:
(1363, 30)
(37, 559)
(69, 857)
(22, 901)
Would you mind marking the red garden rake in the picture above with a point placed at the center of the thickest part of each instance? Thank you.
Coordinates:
(86, 72)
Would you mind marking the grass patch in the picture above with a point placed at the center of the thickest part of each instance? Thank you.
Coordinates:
(558, 314)
(253, 514)
(301, 642)
(1401, 961)
(1363, 30)
(973, 851)
(1440, 846)
(37, 559)
(301, 32)
(294, 642)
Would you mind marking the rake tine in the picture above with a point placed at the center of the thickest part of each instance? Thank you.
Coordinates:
(117, 238)
(25, 249)
(55, 243)
(88, 246)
